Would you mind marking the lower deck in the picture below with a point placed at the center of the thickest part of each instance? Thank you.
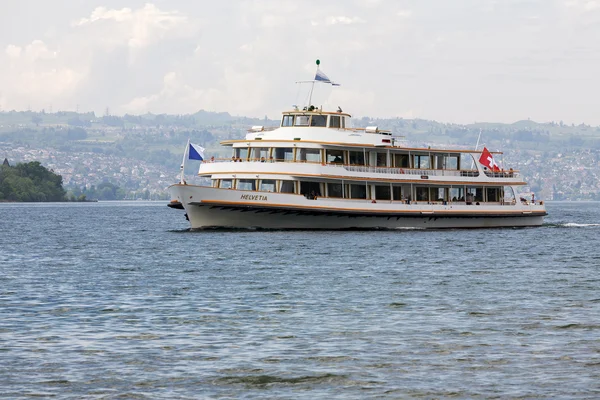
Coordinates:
(212, 207)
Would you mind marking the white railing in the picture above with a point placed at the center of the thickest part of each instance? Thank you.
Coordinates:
(388, 170)
(409, 171)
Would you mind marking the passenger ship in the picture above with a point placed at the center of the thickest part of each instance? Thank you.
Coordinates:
(316, 172)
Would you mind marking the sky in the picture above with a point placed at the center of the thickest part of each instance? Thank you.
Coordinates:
(454, 61)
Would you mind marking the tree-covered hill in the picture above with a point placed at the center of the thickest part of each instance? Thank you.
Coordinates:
(30, 182)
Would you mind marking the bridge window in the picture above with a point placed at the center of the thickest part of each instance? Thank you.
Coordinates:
(334, 121)
(318, 120)
(302, 120)
(288, 120)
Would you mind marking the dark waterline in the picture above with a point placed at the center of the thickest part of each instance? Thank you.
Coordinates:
(101, 300)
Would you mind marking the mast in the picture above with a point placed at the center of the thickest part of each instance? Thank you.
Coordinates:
(313, 85)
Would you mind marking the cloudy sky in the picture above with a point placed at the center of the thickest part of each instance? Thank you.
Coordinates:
(449, 60)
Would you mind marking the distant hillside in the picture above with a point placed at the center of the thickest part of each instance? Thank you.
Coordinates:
(142, 153)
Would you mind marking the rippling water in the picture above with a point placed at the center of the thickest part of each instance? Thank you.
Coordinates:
(105, 300)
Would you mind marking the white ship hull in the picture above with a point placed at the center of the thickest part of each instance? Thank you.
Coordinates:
(208, 207)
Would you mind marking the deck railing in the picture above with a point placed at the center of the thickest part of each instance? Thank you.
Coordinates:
(384, 170)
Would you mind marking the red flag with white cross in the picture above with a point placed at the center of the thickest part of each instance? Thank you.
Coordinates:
(487, 160)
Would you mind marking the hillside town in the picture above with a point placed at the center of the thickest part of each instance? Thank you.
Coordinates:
(142, 156)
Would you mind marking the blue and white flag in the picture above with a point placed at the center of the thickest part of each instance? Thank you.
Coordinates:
(196, 152)
(321, 77)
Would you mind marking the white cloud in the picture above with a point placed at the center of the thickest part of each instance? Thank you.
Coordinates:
(583, 5)
(463, 60)
(141, 27)
(342, 20)
(13, 51)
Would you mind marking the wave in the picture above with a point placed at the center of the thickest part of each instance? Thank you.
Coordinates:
(576, 225)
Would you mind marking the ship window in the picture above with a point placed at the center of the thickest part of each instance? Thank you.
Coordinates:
(382, 193)
(287, 187)
(451, 162)
(260, 153)
(242, 153)
(422, 193)
(310, 155)
(401, 161)
(288, 120)
(397, 193)
(457, 194)
(284, 154)
(226, 184)
(334, 121)
(438, 194)
(310, 189)
(334, 156)
(246, 184)
(509, 194)
(422, 161)
(267, 185)
(302, 120)
(474, 194)
(334, 190)
(318, 120)
(358, 191)
(357, 158)
(381, 160)
(493, 194)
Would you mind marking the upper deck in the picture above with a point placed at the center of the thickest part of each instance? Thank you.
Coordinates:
(315, 125)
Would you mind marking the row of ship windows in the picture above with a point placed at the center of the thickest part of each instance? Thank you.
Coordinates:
(349, 157)
(331, 121)
(468, 194)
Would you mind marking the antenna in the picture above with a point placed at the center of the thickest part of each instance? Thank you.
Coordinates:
(313, 84)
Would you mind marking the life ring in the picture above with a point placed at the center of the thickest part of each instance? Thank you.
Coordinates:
(401, 171)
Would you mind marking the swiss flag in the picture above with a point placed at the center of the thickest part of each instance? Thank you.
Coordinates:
(487, 160)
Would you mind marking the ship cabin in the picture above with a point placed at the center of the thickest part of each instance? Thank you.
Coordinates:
(356, 163)
(315, 117)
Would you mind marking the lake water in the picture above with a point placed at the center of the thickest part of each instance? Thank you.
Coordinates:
(120, 300)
